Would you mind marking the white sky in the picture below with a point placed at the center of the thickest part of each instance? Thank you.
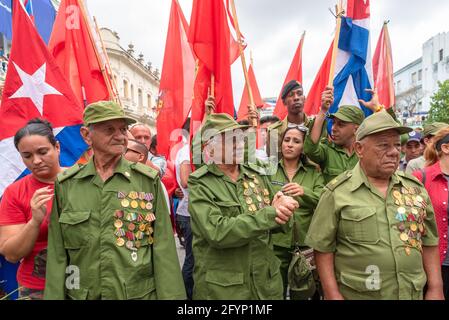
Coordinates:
(272, 29)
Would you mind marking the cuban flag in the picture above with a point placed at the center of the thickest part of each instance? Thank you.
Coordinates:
(353, 67)
(6, 18)
(43, 13)
(35, 87)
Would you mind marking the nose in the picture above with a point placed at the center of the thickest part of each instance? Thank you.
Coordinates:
(37, 160)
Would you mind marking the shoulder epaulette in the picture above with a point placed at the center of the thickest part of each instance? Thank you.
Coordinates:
(199, 172)
(145, 170)
(408, 177)
(339, 180)
(70, 172)
(274, 125)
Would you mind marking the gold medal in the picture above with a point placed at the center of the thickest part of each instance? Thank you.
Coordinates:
(397, 194)
(149, 230)
(142, 227)
(259, 198)
(408, 251)
(249, 200)
(149, 206)
(118, 224)
(143, 205)
(413, 227)
(247, 192)
(404, 237)
(133, 195)
(256, 191)
(401, 210)
(134, 204)
(245, 185)
(125, 203)
(150, 240)
(256, 181)
(413, 242)
(120, 242)
(252, 185)
(141, 195)
(414, 211)
(266, 192)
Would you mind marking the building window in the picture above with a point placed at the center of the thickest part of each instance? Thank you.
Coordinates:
(414, 77)
(149, 104)
(398, 87)
(441, 54)
(132, 93)
(420, 75)
(125, 89)
(140, 98)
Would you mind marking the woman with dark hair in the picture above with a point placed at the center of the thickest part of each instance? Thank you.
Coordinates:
(298, 178)
(26, 205)
(435, 177)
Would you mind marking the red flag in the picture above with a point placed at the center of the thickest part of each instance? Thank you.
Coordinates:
(294, 73)
(383, 69)
(176, 87)
(211, 39)
(75, 52)
(313, 102)
(34, 86)
(243, 109)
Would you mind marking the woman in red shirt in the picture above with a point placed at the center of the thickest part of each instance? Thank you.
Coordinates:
(26, 205)
(435, 178)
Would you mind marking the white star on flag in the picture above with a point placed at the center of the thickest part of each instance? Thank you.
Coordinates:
(34, 87)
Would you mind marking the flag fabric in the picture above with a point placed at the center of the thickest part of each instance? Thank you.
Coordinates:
(383, 69)
(75, 53)
(294, 73)
(211, 40)
(43, 13)
(6, 18)
(177, 78)
(353, 67)
(313, 101)
(244, 102)
(35, 87)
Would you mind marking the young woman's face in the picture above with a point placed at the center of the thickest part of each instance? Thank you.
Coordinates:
(40, 156)
(292, 144)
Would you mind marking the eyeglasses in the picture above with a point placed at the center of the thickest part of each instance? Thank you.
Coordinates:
(128, 149)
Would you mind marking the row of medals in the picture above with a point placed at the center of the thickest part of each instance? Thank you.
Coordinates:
(410, 215)
(255, 197)
(133, 226)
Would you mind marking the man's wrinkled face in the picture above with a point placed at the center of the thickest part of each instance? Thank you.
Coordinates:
(109, 137)
(380, 153)
(294, 101)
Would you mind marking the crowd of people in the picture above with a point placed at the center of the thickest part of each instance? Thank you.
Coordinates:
(359, 212)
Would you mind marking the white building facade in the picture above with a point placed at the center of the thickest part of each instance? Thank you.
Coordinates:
(137, 82)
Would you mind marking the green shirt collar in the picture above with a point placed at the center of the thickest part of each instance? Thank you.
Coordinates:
(300, 167)
(123, 167)
(359, 177)
(212, 168)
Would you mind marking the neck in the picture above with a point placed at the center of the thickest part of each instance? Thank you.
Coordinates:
(231, 170)
(349, 147)
(291, 164)
(444, 165)
(381, 183)
(105, 164)
(296, 118)
(50, 180)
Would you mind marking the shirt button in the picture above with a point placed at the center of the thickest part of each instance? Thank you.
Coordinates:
(444, 251)
(445, 236)
(444, 203)
(445, 189)
(444, 219)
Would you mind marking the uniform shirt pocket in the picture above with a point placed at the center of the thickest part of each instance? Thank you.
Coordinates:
(229, 208)
(75, 228)
(359, 225)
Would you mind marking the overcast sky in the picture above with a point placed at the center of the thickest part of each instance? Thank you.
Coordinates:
(272, 29)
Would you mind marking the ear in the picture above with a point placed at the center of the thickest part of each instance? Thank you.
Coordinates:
(358, 148)
(58, 147)
(445, 149)
(85, 133)
(141, 157)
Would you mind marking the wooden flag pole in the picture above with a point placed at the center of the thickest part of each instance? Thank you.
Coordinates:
(116, 95)
(103, 71)
(251, 106)
(339, 12)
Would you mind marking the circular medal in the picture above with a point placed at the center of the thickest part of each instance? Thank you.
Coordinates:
(149, 229)
(247, 192)
(252, 185)
(419, 199)
(118, 224)
(125, 203)
(404, 236)
(142, 227)
(396, 194)
(119, 214)
(413, 227)
(266, 192)
(249, 200)
(134, 204)
(414, 211)
(133, 195)
(141, 195)
(149, 206)
(245, 185)
(129, 244)
(143, 205)
(401, 210)
(120, 242)
(131, 227)
(259, 198)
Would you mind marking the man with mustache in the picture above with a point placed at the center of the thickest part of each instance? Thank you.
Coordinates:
(374, 231)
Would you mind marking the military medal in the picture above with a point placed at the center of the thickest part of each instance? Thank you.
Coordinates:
(133, 195)
(141, 195)
(249, 200)
(119, 214)
(413, 227)
(125, 203)
(252, 185)
(404, 236)
(149, 206)
(256, 181)
(120, 242)
(118, 224)
(245, 185)
(142, 205)
(134, 204)
(121, 195)
(134, 256)
(247, 192)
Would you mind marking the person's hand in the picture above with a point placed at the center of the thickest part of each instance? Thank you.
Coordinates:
(210, 104)
(327, 99)
(178, 193)
(39, 204)
(334, 296)
(253, 115)
(285, 207)
(293, 190)
(434, 294)
(373, 104)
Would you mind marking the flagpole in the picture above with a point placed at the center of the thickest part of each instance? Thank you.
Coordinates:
(108, 64)
(242, 58)
(103, 71)
(339, 12)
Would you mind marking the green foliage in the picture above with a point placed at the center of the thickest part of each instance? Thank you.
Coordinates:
(439, 106)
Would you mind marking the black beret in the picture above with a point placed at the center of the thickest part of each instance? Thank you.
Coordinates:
(291, 85)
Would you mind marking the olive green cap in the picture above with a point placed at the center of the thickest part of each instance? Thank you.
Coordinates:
(433, 128)
(103, 111)
(379, 122)
(217, 123)
(350, 114)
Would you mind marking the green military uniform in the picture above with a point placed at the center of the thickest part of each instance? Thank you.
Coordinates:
(232, 223)
(312, 181)
(333, 159)
(377, 242)
(111, 239)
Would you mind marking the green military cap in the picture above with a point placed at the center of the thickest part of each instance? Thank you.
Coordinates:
(379, 122)
(103, 111)
(218, 123)
(350, 114)
(432, 128)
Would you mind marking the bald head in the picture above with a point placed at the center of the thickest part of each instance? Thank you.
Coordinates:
(142, 134)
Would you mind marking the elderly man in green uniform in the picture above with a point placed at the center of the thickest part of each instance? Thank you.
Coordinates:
(233, 214)
(374, 230)
(338, 155)
(293, 98)
(110, 235)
